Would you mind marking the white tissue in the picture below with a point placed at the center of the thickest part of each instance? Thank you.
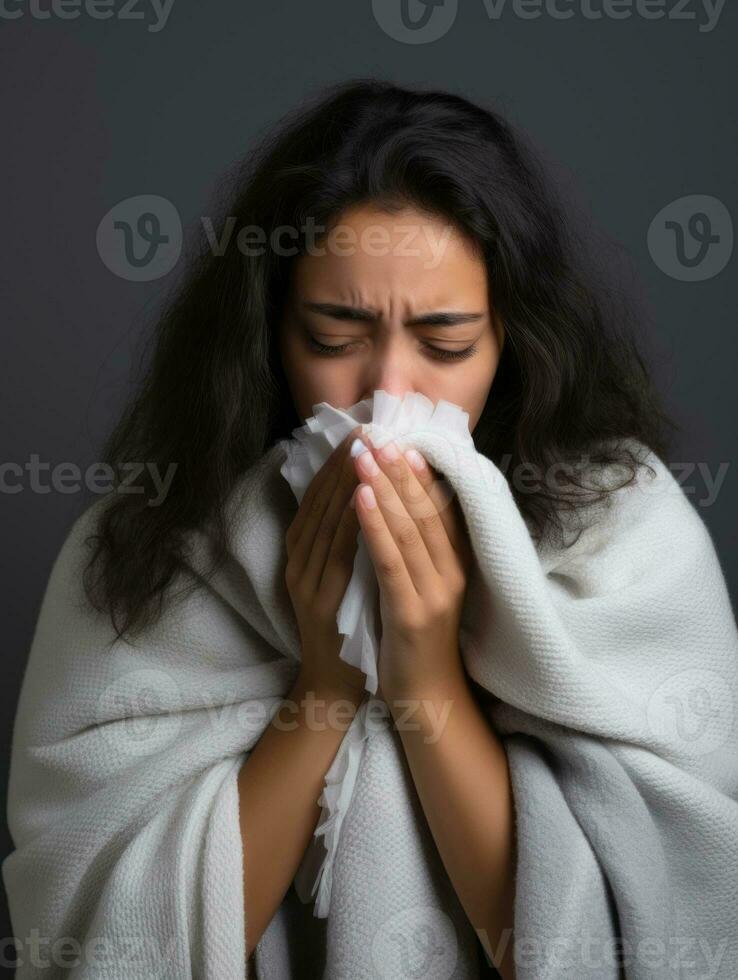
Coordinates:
(384, 417)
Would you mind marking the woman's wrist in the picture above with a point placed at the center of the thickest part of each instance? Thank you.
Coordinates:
(325, 689)
(439, 686)
(314, 705)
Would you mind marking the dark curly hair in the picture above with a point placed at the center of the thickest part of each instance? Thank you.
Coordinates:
(570, 380)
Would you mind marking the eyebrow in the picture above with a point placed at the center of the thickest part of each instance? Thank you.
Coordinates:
(439, 318)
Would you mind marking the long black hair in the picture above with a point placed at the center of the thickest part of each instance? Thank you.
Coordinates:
(213, 396)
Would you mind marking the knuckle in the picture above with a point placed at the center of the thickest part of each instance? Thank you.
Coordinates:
(439, 607)
(412, 621)
(345, 556)
(325, 531)
(391, 568)
(458, 583)
(343, 550)
(408, 535)
(430, 520)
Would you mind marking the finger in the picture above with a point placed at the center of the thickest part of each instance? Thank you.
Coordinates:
(392, 573)
(339, 564)
(326, 529)
(324, 475)
(413, 500)
(444, 499)
(302, 531)
(401, 525)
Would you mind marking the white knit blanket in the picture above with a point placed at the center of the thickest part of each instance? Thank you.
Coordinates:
(612, 668)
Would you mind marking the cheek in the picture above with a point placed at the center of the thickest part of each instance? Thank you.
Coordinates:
(469, 383)
(318, 381)
(469, 386)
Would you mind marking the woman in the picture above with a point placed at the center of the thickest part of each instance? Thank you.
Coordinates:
(384, 239)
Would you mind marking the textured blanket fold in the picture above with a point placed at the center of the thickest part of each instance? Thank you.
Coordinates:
(612, 672)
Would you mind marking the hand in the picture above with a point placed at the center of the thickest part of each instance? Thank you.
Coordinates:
(418, 542)
(321, 546)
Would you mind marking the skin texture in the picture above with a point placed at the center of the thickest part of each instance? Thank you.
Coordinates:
(445, 275)
(421, 554)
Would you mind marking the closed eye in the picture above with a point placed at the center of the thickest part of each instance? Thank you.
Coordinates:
(439, 353)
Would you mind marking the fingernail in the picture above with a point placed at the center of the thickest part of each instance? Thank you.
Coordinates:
(389, 451)
(357, 446)
(368, 463)
(414, 459)
(367, 495)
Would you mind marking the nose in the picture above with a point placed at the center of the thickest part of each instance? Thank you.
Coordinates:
(393, 369)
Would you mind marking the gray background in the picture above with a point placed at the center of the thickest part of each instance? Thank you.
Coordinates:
(629, 114)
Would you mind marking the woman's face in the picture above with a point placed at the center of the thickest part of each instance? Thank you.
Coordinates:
(398, 294)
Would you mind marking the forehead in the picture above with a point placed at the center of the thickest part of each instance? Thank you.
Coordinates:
(410, 256)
